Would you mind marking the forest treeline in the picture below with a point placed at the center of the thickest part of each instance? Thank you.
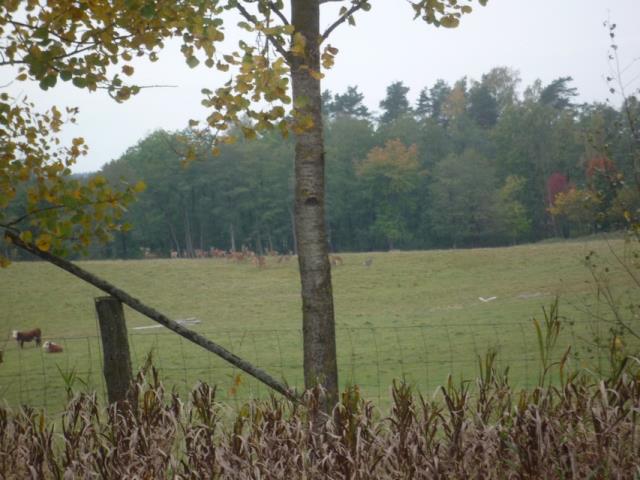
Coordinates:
(477, 163)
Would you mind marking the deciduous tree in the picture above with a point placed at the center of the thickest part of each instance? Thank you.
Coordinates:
(278, 63)
(392, 175)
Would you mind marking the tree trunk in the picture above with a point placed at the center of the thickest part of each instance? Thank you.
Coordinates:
(188, 239)
(259, 248)
(174, 238)
(233, 238)
(123, 238)
(293, 232)
(318, 325)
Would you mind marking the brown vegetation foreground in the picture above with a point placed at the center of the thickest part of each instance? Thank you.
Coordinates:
(579, 430)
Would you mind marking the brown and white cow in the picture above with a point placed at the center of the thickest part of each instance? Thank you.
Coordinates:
(50, 347)
(28, 336)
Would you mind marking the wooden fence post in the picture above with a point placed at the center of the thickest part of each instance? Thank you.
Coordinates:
(115, 347)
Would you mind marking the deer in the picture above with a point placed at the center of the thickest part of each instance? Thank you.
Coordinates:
(336, 260)
(237, 256)
(368, 261)
(259, 261)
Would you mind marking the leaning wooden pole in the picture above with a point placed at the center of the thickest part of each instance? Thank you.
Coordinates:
(115, 347)
(153, 314)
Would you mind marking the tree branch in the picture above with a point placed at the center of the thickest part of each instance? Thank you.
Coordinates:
(274, 8)
(35, 212)
(153, 314)
(278, 13)
(51, 32)
(243, 11)
(342, 18)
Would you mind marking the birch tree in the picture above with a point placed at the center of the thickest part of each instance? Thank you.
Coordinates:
(275, 85)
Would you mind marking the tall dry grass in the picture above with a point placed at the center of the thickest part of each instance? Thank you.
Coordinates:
(580, 429)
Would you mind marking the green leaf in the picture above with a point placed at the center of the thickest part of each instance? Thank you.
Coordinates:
(48, 81)
(79, 82)
(148, 11)
(193, 62)
(26, 236)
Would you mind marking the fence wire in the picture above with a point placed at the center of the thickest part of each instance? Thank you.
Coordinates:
(371, 357)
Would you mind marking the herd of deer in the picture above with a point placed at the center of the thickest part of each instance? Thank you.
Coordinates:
(246, 254)
(237, 256)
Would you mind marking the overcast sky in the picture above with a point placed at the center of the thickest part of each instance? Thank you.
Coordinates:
(543, 39)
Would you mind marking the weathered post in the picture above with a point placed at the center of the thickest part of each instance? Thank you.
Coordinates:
(115, 347)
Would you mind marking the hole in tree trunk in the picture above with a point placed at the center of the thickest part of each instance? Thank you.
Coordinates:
(311, 201)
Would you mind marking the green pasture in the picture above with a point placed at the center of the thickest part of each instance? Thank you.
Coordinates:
(412, 315)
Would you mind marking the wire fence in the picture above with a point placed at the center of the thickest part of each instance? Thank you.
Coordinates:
(371, 357)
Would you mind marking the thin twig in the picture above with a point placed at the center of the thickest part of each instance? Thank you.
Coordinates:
(342, 19)
(35, 212)
(279, 14)
(243, 11)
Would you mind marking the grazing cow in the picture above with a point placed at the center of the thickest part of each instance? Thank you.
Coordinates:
(27, 336)
(50, 347)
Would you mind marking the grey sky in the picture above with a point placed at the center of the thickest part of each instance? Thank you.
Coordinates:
(542, 39)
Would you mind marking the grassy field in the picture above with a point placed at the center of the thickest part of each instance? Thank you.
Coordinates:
(415, 315)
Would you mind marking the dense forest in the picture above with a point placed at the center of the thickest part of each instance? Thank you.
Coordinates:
(476, 163)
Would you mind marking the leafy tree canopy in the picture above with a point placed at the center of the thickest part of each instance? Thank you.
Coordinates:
(395, 104)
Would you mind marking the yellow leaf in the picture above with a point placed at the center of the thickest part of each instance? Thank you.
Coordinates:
(44, 242)
(299, 44)
(249, 133)
(140, 187)
(315, 74)
(26, 236)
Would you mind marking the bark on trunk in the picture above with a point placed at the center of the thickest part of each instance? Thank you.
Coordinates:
(320, 364)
